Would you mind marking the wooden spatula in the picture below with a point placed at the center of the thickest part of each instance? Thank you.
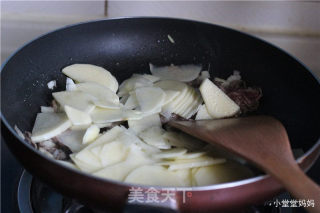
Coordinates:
(262, 140)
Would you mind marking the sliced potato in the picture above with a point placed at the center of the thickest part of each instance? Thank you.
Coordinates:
(120, 170)
(184, 73)
(83, 165)
(91, 134)
(124, 98)
(192, 173)
(72, 139)
(87, 158)
(185, 102)
(77, 117)
(192, 163)
(218, 104)
(175, 86)
(91, 73)
(113, 152)
(179, 139)
(170, 153)
(105, 97)
(101, 115)
(221, 173)
(191, 155)
(131, 102)
(132, 83)
(202, 113)
(190, 104)
(107, 137)
(148, 149)
(104, 125)
(204, 75)
(70, 85)
(150, 99)
(194, 106)
(49, 125)
(148, 121)
(80, 127)
(151, 78)
(154, 136)
(46, 109)
(76, 99)
(159, 176)
(173, 138)
(170, 95)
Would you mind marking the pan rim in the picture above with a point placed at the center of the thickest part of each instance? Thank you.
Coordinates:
(196, 188)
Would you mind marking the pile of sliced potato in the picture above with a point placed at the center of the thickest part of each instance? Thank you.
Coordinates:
(144, 152)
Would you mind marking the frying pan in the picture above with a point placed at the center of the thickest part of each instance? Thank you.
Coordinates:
(125, 46)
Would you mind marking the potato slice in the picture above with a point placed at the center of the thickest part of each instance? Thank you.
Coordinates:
(131, 102)
(91, 73)
(173, 138)
(218, 104)
(72, 139)
(221, 173)
(46, 109)
(176, 86)
(203, 75)
(202, 113)
(192, 163)
(132, 136)
(84, 166)
(149, 121)
(190, 104)
(170, 153)
(120, 170)
(191, 155)
(151, 78)
(101, 115)
(132, 83)
(80, 127)
(76, 99)
(185, 102)
(91, 134)
(170, 95)
(159, 176)
(77, 117)
(154, 136)
(106, 97)
(194, 106)
(107, 137)
(87, 158)
(184, 73)
(150, 99)
(124, 98)
(104, 125)
(113, 152)
(49, 125)
(70, 85)
(179, 139)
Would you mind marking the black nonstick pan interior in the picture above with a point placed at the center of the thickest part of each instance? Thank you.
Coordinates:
(125, 46)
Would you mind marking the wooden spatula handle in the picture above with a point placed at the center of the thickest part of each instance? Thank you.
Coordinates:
(299, 185)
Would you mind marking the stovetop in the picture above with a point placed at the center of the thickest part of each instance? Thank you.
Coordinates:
(21, 193)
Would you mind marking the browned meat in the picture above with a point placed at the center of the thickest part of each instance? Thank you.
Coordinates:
(246, 97)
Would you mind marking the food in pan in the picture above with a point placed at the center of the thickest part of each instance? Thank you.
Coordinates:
(118, 131)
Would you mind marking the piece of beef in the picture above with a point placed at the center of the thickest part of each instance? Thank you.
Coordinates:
(246, 97)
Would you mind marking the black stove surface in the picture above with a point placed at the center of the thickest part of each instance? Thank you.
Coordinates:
(21, 193)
